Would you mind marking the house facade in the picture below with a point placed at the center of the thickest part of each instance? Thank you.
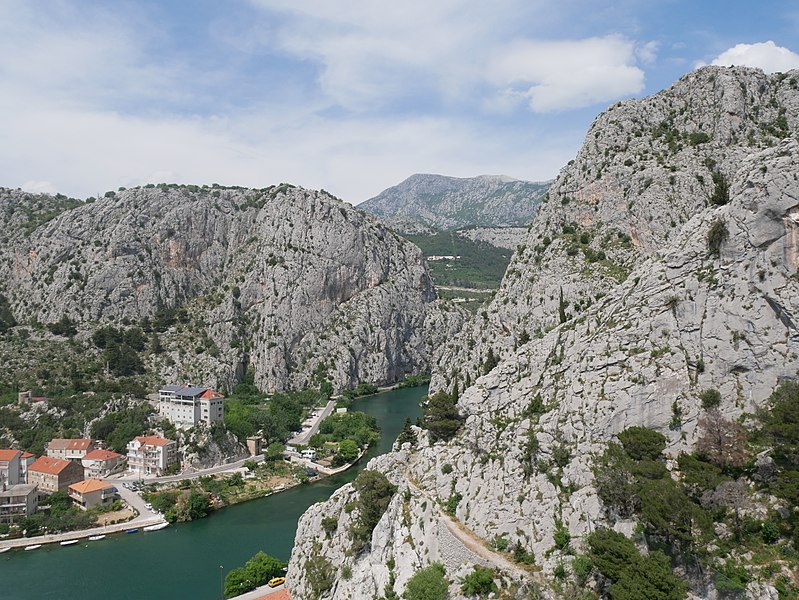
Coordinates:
(187, 405)
(17, 502)
(70, 449)
(93, 492)
(25, 461)
(151, 455)
(54, 474)
(101, 463)
(10, 466)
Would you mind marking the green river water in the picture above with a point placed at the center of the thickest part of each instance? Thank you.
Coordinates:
(184, 561)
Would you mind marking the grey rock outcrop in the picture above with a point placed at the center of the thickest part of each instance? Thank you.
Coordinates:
(279, 279)
(646, 168)
(441, 202)
(618, 340)
(501, 237)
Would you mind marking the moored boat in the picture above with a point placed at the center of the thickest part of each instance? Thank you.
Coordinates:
(69, 542)
(134, 530)
(94, 538)
(157, 526)
(33, 547)
(2, 550)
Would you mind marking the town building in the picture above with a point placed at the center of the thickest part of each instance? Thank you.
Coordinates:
(17, 502)
(70, 449)
(25, 461)
(10, 467)
(188, 405)
(151, 455)
(101, 463)
(93, 492)
(54, 474)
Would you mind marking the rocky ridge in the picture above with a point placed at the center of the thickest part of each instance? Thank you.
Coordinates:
(445, 203)
(279, 279)
(664, 315)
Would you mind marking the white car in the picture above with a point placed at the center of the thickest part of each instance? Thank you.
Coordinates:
(148, 506)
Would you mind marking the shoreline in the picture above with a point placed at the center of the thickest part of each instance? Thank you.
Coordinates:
(140, 522)
(144, 521)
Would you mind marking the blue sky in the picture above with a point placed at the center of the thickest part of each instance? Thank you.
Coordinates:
(347, 95)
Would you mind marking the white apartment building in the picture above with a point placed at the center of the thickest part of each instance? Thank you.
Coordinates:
(151, 455)
(188, 405)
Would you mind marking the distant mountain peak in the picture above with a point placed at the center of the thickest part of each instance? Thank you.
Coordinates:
(444, 202)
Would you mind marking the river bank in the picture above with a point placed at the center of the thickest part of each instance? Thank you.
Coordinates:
(184, 560)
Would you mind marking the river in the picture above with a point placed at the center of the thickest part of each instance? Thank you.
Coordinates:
(189, 560)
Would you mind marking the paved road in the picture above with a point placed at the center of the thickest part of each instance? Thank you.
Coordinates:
(257, 593)
(133, 476)
(302, 439)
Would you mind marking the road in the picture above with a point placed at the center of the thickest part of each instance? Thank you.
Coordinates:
(302, 438)
(132, 476)
(146, 517)
(258, 593)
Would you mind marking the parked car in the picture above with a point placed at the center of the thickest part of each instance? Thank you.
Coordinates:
(276, 581)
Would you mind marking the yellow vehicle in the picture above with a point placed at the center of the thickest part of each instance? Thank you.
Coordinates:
(276, 581)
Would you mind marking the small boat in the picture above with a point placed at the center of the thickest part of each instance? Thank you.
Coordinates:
(95, 538)
(134, 530)
(157, 527)
(69, 542)
(33, 547)
(2, 550)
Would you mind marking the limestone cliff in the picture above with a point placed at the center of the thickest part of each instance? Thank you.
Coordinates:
(646, 168)
(441, 202)
(279, 279)
(665, 262)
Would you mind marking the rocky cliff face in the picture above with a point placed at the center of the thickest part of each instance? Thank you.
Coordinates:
(686, 295)
(452, 203)
(280, 279)
(646, 168)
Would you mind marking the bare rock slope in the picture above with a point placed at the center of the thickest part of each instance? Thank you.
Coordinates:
(687, 295)
(440, 202)
(280, 279)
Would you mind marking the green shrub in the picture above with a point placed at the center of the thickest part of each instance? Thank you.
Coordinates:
(562, 537)
(500, 542)
(441, 416)
(582, 567)
(523, 555)
(427, 584)
(479, 582)
(374, 495)
(770, 532)
(642, 443)
(716, 236)
(446, 469)
(710, 398)
(721, 191)
(634, 576)
(452, 503)
(329, 524)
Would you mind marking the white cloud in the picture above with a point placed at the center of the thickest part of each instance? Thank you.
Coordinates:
(95, 107)
(568, 74)
(763, 55)
(375, 52)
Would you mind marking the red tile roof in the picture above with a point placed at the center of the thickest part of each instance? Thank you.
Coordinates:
(70, 444)
(211, 394)
(9, 454)
(89, 485)
(102, 455)
(27, 455)
(52, 466)
(152, 440)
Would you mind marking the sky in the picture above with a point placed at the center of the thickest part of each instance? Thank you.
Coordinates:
(350, 96)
